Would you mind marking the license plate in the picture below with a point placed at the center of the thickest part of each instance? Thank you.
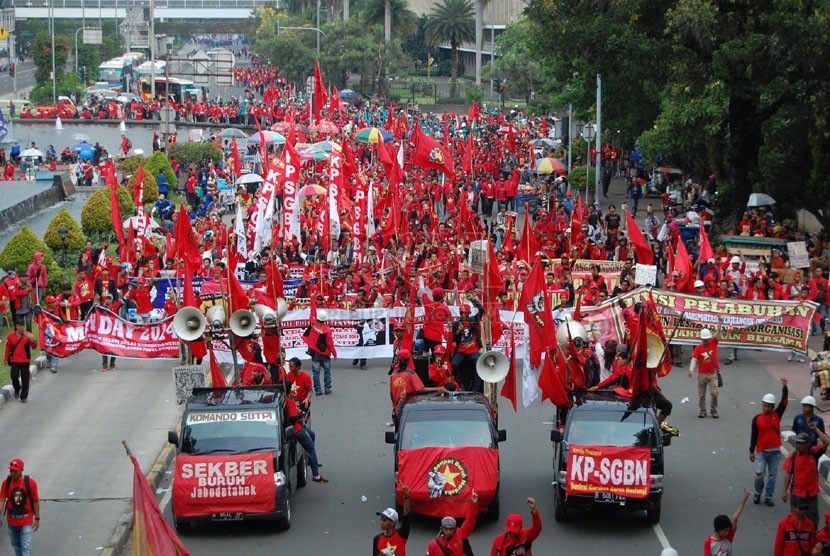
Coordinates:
(607, 497)
(227, 516)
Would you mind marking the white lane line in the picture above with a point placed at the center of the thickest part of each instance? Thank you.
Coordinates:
(661, 536)
(166, 498)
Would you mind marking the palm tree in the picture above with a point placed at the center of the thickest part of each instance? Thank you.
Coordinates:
(397, 19)
(451, 21)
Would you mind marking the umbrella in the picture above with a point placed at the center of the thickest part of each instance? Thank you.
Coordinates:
(125, 98)
(283, 127)
(314, 154)
(348, 93)
(136, 222)
(80, 147)
(270, 137)
(549, 165)
(669, 170)
(325, 126)
(327, 146)
(249, 178)
(311, 189)
(544, 142)
(372, 135)
(32, 153)
(233, 133)
(81, 137)
(760, 200)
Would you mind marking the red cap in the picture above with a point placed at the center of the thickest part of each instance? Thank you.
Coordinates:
(399, 326)
(404, 353)
(465, 308)
(514, 523)
(439, 350)
(16, 465)
(141, 281)
(438, 292)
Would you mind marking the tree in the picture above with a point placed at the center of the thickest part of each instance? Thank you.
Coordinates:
(195, 153)
(74, 238)
(480, 4)
(397, 19)
(42, 53)
(517, 65)
(96, 216)
(19, 253)
(451, 21)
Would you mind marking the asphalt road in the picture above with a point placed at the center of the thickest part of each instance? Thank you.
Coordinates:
(69, 435)
(25, 79)
(707, 468)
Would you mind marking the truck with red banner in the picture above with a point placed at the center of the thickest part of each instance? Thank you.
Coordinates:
(234, 458)
(446, 447)
(609, 453)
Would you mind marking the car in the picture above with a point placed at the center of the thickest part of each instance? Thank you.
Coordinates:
(234, 458)
(445, 444)
(609, 452)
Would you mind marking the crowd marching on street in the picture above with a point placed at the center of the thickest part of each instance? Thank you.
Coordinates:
(405, 195)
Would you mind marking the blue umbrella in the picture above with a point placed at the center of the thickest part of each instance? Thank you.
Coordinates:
(270, 137)
(348, 93)
(84, 150)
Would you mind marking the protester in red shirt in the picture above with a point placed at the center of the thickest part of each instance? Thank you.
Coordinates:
(21, 501)
(796, 533)
(705, 362)
(300, 383)
(440, 371)
(801, 467)
(436, 315)
(404, 383)
(318, 338)
(765, 443)
(516, 540)
(450, 541)
(394, 531)
(18, 356)
(720, 542)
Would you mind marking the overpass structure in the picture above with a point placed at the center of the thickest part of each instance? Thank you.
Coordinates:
(119, 9)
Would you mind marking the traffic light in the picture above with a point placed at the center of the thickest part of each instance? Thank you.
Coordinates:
(11, 69)
(83, 74)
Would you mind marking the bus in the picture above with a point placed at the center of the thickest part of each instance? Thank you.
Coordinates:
(146, 69)
(116, 73)
(179, 89)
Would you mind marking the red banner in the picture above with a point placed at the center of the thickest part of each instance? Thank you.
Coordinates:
(204, 485)
(620, 471)
(441, 480)
(106, 332)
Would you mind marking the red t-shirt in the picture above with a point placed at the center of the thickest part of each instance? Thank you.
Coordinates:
(723, 547)
(707, 357)
(300, 385)
(19, 510)
(805, 471)
(402, 384)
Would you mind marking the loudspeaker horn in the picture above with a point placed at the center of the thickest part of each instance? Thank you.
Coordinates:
(216, 316)
(492, 366)
(268, 316)
(243, 323)
(571, 328)
(189, 324)
(282, 308)
(655, 351)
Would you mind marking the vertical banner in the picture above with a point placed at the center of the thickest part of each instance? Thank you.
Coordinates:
(335, 187)
(290, 192)
(260, 217)
(359, 223)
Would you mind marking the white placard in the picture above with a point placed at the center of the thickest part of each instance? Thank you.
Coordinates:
(646, 275)
(185, 379)
(799, 257)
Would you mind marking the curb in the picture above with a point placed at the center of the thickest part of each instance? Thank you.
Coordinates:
(7, 392)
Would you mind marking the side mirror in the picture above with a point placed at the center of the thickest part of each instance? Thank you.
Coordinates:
(390, 437)
(555, 436)
(666, 439)
(173, 438)
(501, 435)
(290, 433)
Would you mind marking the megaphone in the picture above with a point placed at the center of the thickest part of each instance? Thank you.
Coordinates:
(573, 329)
(216, 316)
(655, 350)
(243, 323)
(492, 366)
(268, 316)
(189, 324)
(282, 308)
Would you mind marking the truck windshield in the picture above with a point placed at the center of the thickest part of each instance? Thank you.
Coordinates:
(230, 431)
(447, 429)
(607, 428)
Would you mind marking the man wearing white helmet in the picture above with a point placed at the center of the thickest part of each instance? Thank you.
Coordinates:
(801, 422)
(737, 267)
(765, 443)
(318, 338)
(705, 362)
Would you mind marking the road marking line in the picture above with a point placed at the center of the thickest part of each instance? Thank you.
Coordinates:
(166, 498)
(661, 536)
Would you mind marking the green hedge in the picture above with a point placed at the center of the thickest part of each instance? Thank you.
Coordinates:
(151, 188)
(96, 216)
(198, 153)
(74, 239)
(20, 252)
(576, 178)
(157, 164)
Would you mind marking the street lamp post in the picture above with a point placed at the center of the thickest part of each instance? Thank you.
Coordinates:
(63, 231)
(588, 132)
(52, 33)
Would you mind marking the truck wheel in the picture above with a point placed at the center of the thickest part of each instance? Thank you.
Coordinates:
(284, 524)
(181, 526)
(493, 510)
(560, 512)
(302, 471)
(653, 514)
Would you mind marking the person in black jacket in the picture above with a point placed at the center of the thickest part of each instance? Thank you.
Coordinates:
(467, 345)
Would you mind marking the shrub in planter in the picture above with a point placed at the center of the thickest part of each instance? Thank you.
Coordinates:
(74, 238)
(96, 216)
(20, 252)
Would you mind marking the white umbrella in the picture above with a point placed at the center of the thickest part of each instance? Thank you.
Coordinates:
(136, 222)
(250, 178)
(32, 153)
(760, 200)
(81, 137)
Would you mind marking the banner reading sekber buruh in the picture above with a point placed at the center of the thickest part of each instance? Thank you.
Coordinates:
(621, 471)
(106, 332)
(204, 485)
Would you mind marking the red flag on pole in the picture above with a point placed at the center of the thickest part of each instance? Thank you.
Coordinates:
(528, 246)
(217, 378)
(152, 535)
(117, 222)
(551, 382)
(429, 153)
(508, 389)
(705, 252)
(320, 96)
(683, 265)
(237, 162)
(536, 308)
(644, 253)
(186, 245)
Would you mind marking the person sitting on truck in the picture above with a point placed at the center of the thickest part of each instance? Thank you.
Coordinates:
(304, 435)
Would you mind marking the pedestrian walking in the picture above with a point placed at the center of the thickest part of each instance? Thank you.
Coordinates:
(765, 444)
(705, 362)
(21, 506)
(452, 539)
(394, 532)
(318, 338)
(801, 422)
(796, 534)
(801, 468)
(19, 345)
(515, 540)
(719, 543)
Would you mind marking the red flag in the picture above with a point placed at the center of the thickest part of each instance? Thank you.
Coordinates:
(429, 153)
(335, 102)
(508, 389)
(528, 246)
(275, 286)
(491, 295)
(151, 532)
(467, 162)
(683, 265)
(263, 146)
(705, 252)
(511, 138)
(644, 253)
(238, 297)
(186, 245)
(237, 162)
(576, 219)
(217, 378)
(551, 382)
(138, 190)
(640, 375)
(320, 96)
(117, 222)
(536, 308)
